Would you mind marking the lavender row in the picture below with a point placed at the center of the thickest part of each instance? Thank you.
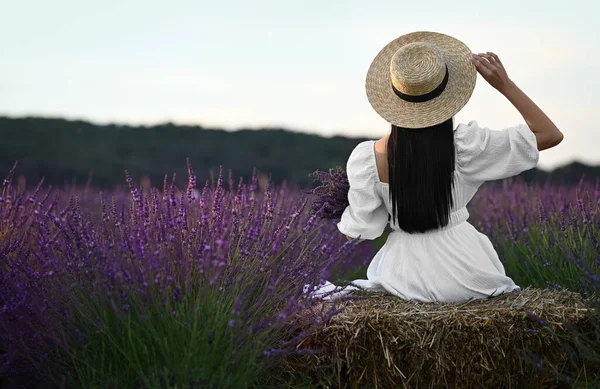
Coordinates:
(63, 261)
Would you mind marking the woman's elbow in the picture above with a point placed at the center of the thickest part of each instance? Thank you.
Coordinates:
(559, 137)
(556, 139)
(550, 141)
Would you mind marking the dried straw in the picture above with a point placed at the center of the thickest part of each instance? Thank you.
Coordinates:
(380, 341)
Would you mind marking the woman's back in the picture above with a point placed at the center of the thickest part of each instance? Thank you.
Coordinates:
(447, 264)
(423, 176)
(482, 155)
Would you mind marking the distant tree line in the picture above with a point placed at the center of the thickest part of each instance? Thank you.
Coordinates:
(64, 150)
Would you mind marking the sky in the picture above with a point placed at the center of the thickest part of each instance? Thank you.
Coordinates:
(299, 65)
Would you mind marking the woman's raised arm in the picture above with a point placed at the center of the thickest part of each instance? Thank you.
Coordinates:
(491, 69)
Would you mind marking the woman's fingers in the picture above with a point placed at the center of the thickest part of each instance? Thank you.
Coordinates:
(480, 57)
(494, 66)
(481, 61)
(481, 64)
(476, 61)
(489, 66)
(494, 56)
(490, 59)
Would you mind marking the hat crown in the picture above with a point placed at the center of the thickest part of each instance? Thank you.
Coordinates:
(417, 68)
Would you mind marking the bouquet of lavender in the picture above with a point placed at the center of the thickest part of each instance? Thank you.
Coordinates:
(331, 197)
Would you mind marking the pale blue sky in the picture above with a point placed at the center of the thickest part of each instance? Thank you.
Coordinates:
(296, 64)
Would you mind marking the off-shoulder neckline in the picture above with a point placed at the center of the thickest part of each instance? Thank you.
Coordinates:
(374, 162)
(374, 157)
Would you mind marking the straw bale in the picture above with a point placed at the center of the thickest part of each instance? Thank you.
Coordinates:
(381, 341)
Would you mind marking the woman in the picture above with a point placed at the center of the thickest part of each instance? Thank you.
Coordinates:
(421, 176)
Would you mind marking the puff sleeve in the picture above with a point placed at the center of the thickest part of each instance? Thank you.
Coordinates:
(486, 155)
(366, 215)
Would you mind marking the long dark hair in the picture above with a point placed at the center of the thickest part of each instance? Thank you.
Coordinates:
(421, 176)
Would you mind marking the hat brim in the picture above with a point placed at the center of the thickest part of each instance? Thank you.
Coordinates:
(458, 91)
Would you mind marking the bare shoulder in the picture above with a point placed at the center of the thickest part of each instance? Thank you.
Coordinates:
(381, 145)
(381, 158)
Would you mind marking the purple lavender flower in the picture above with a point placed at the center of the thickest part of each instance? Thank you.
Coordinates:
(332, 194)
(9, 177)
(191, 181)
(249, 248)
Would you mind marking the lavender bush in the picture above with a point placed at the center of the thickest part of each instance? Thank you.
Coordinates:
(331, 194)
(547, 236)
(197, 288)
(159, 288)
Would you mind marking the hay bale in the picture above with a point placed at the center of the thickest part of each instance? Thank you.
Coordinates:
(380, 341)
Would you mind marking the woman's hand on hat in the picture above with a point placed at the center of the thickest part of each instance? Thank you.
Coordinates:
(491, 69)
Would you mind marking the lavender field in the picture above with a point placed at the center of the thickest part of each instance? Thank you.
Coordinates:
(196, 285)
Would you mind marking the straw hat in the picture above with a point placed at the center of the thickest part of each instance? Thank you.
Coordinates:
(421, 79)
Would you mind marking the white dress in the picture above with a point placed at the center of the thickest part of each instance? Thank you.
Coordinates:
(453, 264)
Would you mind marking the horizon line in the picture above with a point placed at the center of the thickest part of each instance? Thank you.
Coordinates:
(225, 129)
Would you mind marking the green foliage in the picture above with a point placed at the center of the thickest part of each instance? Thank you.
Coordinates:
(63, 151)
(188, 344)
(545, 255)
